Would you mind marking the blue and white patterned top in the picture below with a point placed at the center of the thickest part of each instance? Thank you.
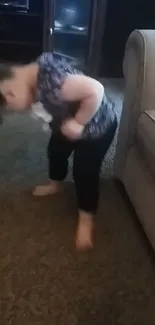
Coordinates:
(52, 73)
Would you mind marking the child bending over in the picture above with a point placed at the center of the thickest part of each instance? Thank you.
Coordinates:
(81, 120)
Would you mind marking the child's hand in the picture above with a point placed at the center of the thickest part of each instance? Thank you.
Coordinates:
(72, 129)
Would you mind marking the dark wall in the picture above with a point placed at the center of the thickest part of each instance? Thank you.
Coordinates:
(123, 16)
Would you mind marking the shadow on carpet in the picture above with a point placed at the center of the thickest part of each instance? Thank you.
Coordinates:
(44, 281)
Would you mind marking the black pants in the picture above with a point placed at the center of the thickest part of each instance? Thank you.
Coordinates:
(88, 157)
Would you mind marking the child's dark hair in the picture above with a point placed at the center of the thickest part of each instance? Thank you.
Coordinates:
(6, 72)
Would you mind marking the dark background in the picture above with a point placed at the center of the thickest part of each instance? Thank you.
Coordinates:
(122, 17)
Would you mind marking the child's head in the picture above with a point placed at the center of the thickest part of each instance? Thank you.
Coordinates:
(17, 86)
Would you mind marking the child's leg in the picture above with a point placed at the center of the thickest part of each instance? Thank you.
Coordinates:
(88, 158)
(59, 149)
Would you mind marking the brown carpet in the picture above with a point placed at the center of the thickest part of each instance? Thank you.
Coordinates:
(44, 281)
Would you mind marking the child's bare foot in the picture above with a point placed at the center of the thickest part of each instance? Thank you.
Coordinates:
(51, 188)
(84, 232)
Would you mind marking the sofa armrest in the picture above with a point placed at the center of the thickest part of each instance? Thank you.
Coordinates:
(139, 73)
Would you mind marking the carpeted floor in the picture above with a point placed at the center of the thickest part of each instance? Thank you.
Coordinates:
(44, 281)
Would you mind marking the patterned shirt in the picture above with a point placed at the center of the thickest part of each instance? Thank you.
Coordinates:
(52, 74)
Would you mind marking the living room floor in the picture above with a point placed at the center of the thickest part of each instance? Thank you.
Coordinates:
(43, 279)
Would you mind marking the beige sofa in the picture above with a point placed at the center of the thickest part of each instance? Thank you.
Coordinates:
(135, 154)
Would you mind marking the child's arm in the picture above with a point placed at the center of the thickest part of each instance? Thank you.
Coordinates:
(89, 92)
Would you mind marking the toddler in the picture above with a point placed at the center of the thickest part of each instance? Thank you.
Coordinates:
(81, 119)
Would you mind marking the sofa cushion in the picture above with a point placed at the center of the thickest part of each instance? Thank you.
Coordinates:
(146, 138)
